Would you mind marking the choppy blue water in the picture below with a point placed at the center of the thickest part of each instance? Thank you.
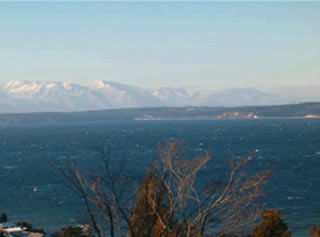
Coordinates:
(31, 191)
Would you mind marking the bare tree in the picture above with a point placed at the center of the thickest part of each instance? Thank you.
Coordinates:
(180, 207)
(222, 208)
(107, 195)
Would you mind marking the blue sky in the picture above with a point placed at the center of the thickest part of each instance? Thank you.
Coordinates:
(176, 44)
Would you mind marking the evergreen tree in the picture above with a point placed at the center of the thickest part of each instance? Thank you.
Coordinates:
(315, 231)
(144, 220)
(272, 225)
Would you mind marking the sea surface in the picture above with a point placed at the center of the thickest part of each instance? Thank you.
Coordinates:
(32, 191)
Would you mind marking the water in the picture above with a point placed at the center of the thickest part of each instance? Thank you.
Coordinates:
(33, 192)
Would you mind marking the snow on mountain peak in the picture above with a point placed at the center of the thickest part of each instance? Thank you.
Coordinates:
(51, 85)
(67, 85)
(98, 85)
(13, 84)
(18, 87)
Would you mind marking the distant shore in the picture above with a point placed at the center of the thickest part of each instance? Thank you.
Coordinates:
(291, 111)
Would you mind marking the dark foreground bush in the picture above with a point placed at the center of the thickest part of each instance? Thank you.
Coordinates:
(71, 232)
(29, 227)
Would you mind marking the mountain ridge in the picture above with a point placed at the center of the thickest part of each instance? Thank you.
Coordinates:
(31, 96)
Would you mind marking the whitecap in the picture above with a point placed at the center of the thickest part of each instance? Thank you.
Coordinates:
(294, 198)
(10, 167)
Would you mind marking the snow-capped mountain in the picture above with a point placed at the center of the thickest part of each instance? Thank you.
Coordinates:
(179, 96)
(27, 96)
(241, 97)
(120, 95)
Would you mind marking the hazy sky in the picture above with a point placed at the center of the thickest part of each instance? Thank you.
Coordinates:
(148, 44)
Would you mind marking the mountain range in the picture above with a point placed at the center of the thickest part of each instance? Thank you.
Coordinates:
(28, 96)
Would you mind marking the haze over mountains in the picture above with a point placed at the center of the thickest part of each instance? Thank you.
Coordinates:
(27, 96)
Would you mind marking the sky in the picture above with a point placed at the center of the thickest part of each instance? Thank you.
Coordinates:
(173, 44)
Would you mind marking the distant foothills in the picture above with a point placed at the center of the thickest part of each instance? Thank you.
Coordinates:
(30, 96)
(303, 110)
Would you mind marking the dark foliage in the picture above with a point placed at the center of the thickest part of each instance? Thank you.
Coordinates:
(4, 218)
(144, 220)
(315, 231)
(70, 232)
(272, 225)
(29, 227)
